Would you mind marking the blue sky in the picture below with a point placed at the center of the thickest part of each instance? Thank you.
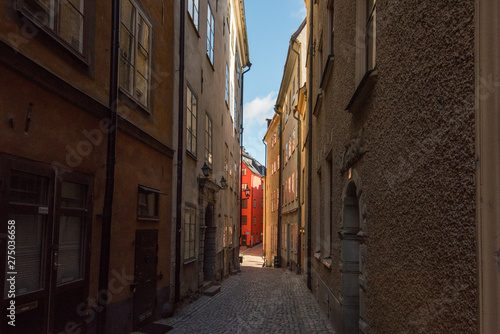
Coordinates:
(270, 25)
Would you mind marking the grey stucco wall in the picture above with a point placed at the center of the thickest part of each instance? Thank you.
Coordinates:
(418, 174)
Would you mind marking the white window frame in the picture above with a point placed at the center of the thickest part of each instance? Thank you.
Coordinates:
(208, 140)
(137, 48)
(193, 115)
(189, 232)
(194, 12)
(210, 35)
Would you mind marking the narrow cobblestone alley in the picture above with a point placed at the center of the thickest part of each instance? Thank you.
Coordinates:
(257, 300)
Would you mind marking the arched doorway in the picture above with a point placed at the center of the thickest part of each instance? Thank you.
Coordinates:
(210, 245)
(350, 269)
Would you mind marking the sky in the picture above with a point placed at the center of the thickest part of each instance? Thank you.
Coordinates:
(270, 24)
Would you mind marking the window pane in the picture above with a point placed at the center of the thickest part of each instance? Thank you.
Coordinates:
(147, 203)
(73, 195)
(128, 15)
(127, 46)
(27, 188)
(71, 25)
(126, 75)
(143, 34)
(44, 10)
(29, 253)
(70, 250)
(141, 89)
(142, 61)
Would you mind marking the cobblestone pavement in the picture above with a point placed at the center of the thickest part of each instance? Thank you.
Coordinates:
(257, 300)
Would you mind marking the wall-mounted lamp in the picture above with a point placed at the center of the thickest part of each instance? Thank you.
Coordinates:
(205, 169)
(247, 192)
(223, 183)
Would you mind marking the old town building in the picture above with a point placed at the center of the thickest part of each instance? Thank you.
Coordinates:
(284, 239)
(215, 54)
(395, 205)
(86, 259)
(271, 191)
(252, 201)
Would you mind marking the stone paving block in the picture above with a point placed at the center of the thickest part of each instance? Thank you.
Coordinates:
(256, 300)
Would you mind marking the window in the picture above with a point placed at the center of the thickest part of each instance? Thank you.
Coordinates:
(243, 220)
(244, 186)
(189, 232)
(254, 221)
(244, 203)
(224, 237)
(331, 19)
(230, 232)
(193, 9)
(64, 19)
(226, 162)
(231, 178)
(208, 140)
(135, 47)
(254, 203)
(147, 203)
(237, 68)
(244, 171)
(236, 115)
(210, 35)
(227, 85)
(366, 37)
(192, 115)
(370, 34)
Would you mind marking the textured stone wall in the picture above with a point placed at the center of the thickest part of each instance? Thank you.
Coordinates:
(418, 174)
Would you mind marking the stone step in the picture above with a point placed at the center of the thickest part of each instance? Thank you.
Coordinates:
(212, 291)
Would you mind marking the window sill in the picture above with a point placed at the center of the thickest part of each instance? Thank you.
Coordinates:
(327, 262)
(194, 25)
(210, 62)
(317, 255)
(191, 155)
(148, 219)
(317, 105)
(325, 78)
(132, 103)
(362, 91)
(188, 261)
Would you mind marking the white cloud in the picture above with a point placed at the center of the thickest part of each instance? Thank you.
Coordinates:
(301, 12)
(260, 108)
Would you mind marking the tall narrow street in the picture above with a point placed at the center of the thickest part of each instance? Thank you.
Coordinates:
(257, 300)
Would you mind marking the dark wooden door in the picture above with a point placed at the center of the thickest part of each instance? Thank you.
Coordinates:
(51, 216)
(146, 260)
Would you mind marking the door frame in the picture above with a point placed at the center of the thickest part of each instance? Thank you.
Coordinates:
(49, 289)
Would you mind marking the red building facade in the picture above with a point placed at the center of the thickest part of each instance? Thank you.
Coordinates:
(252, 201)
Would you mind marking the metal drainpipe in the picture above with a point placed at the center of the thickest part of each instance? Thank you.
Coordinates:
(309, 153)
(180, 154)
(278, 241)
(249, 65)
(299, 222)
(107, 212)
